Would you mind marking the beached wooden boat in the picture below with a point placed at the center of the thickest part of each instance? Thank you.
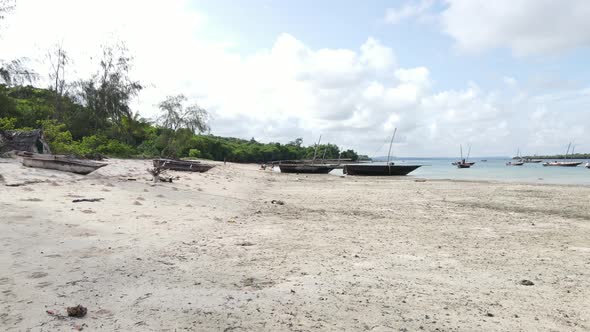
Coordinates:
(182, 165)
(306, 168)
(61, 163)
(379, 170)
(387, 169)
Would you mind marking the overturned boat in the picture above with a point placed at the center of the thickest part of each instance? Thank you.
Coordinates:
(182, 165)
(61, 163)
(389, 169)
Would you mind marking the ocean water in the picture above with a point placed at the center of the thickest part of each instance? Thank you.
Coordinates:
(495, 169)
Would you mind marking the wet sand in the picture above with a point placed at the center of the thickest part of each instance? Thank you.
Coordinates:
(211, 252)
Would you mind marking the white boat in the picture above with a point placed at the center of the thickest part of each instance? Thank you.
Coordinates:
(61, 163)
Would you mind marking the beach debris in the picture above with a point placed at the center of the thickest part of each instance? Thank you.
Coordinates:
(278, 202)
(18, 184)
(525, 282)
(489, 314)
(159, 175)
(420, 180)
(87, 200)
(77, 311)
(245, 244)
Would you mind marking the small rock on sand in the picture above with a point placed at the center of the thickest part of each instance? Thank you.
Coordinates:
(77, 311)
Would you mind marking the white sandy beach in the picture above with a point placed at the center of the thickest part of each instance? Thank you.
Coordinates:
(210, 252)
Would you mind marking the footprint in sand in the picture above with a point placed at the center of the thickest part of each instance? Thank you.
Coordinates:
(37, 275)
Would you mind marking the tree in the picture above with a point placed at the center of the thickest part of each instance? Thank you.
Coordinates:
(58, 60)
(14, 73)
(5, 7)
(108, 92)
(176, 116)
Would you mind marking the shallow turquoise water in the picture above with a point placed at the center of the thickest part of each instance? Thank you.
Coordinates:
(496, 170)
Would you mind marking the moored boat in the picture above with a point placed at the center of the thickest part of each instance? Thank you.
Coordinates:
(563, 163)
(463, 163)
(515, 163)
(529, 160)
(587, 165)
(61, 163)
(182, 165)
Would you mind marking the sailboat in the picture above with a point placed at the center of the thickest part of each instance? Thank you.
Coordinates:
(388, 169)
(520, 162)
(564, 163)
(464, 163)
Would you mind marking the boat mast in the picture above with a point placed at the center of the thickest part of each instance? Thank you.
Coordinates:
(468, 153)
(568, 150)
(316, 149)
(461, 150)
(389, 153)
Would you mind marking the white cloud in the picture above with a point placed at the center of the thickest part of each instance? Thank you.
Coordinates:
(527, 27)
(354, 97)
(409, 10)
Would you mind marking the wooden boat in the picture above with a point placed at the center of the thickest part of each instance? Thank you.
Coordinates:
(515, 163)
(61, 163)
(306, 168)
(529, 160)
(379, 170)
(182, 165)
(389, 169)
(563, 163)
(463, 163)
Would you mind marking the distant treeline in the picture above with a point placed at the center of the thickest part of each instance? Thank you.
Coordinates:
(558, 156)
(84, 124)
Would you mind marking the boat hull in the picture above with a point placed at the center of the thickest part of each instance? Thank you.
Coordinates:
(182, 165)
(563, 164)
(62, 164)
(301, 168)
(379, 170)
(515, 163)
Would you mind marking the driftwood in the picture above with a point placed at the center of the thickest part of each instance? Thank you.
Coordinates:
(87, 200)
(159, 175)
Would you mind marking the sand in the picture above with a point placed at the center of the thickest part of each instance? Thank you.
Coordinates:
(211, 252)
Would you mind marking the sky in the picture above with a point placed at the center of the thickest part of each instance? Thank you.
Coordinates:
(496, 75)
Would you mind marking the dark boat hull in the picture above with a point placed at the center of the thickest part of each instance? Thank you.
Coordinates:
(62, 163)
(301, 168)
(379, 170)
(463, 165)
(182, 165)
(563, 164)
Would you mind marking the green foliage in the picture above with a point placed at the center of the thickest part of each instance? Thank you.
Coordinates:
(7, 123)
(129, 135)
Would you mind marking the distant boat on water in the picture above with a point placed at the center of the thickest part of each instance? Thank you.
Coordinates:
(587, 165)
(564, 163)
(519, 162)
(529, 160)
(389, 169)
(463, 163)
